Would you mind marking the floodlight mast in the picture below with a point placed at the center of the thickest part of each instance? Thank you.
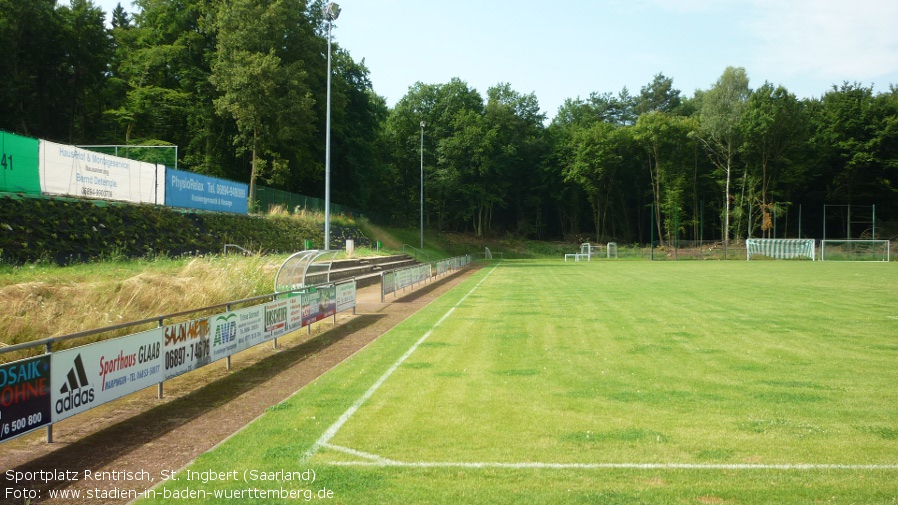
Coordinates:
(423, 124)
(331, 13)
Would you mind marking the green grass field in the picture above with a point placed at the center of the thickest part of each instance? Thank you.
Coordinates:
(602, 382)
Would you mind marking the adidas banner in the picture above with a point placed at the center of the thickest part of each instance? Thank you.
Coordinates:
(24, 396)
(85, 377)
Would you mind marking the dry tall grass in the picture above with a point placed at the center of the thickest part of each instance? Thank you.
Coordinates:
(47, 301)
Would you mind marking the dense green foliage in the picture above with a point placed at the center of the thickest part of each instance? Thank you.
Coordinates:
(65, 231)
(239, 86)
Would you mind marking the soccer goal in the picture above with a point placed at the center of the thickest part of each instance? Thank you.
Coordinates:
(611, 250)
(588, 250)
(854, 250)
(780, 248)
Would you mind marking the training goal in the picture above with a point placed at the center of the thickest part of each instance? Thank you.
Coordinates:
(854, 250)
(780, 248)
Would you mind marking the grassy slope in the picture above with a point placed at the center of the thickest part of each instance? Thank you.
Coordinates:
(42, 299)
(705, 363)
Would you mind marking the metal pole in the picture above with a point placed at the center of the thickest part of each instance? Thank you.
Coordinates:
(849, 222)
(327, 147)
(874, 222)
(49, 350)
(423, 124)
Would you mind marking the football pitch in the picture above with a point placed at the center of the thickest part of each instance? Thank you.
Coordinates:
(604, 382)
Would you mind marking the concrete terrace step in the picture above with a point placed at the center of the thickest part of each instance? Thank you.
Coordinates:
(366, 271)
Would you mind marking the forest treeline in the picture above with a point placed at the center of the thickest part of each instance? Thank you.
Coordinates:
(239, 86)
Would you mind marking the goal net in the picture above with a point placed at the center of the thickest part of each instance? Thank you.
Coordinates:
(611, 250)
(854, 250)
(587, 249)
(780, 248)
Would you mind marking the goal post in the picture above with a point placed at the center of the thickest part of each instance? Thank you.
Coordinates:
(780, 248)
(855, 250)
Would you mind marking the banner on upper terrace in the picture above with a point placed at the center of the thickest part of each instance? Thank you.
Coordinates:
(195, 191)
(72, 171)
(19, 164)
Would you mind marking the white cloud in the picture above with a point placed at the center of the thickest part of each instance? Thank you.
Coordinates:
(827, 39)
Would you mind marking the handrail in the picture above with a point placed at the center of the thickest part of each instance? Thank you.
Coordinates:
(49, 341)
(245, 251)
(415, 249)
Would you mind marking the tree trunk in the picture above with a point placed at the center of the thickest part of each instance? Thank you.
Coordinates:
(726, 219)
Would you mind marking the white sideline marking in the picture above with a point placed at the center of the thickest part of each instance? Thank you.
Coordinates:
(377, 461)
(332, 431)
(373, 458)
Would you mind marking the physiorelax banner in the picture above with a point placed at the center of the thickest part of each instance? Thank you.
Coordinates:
(195, 191)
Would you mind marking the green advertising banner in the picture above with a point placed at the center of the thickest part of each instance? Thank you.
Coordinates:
(19, 164)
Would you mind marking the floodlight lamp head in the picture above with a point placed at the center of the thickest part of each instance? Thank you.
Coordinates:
(331, 11)
(423, 124)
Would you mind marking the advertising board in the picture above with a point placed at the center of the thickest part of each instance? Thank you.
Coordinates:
(24, 396)
(186, 346)
(19, 164)
(84, 377)
(345, 294)
(196, 191)
(72, 171)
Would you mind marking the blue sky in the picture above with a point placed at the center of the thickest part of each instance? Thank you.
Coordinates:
(560, 50)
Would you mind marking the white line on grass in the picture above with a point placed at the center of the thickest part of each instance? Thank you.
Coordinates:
(377, 461)
(332, 431)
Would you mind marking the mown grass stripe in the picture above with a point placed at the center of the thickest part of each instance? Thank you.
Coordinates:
(331, 432)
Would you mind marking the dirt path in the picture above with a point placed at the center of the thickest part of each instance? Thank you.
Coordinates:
(200, 409)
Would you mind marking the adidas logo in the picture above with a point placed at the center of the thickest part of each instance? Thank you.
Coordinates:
(75, 375)
(75, 389)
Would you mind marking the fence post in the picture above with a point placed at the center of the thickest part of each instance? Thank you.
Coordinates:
(159, 386)
(49, 350)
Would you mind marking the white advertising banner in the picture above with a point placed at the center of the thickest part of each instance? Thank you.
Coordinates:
(224, 335)
(276, 316)
(91, 375)
(345, 296)
(186, 346)
(294, 313)
(71, 171)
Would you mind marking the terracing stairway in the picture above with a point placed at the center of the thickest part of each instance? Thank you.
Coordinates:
(366, 271)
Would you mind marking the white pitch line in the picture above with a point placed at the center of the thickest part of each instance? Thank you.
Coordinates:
(377, 461)
(332, 431)
(372, 458)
